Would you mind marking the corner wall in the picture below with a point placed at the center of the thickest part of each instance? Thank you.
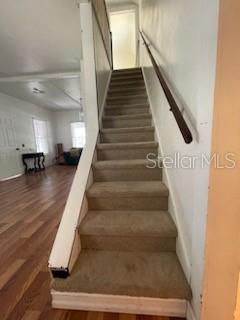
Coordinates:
(183, 36)
(222, 266)
(62, 125)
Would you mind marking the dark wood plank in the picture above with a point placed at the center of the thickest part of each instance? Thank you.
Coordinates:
(30, 212)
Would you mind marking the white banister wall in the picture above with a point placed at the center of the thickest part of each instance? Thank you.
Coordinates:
(63, 244)
(103, 66)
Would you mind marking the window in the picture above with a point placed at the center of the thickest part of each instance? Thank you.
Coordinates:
(78, 134)
(41, 135)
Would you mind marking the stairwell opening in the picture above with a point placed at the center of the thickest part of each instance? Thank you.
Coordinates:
(124, 38)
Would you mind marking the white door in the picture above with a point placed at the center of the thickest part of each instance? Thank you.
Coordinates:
(10, 158)
(123, 27)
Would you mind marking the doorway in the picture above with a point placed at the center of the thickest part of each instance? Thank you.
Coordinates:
(123, 27)
(9, 155)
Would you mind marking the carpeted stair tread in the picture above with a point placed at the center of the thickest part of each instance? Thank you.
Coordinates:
(138, 274)
(128, 117)
(126, 170)
(127, 130)
(121, 90)
(127, 77)
(122, 164)
(127, 111)
(127, 70)
(122, 106)
(127, 189)
(127, 135)
(126, 85)
(127, 82)
(127, 145)
(127, 96)
(134, 73)
(133, 223)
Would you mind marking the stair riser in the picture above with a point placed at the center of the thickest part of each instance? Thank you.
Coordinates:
(127, 137)
(127, 95)
(131, 203)
(127, 123)
(127, 71)
(126, 243)
(127, 91)
(126, 84)
(127, 101)
(127, 77)
(130, 93)
(125, 111)
(141, 174)
(121, 154)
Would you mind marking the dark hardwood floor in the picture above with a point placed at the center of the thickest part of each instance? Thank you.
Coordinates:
(30, 212)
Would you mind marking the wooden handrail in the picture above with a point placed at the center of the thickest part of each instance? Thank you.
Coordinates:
(183, 127)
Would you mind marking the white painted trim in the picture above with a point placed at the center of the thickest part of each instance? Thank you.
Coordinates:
(181, 247)
(119, 304)
(41, 77)
(190, 312)
(12, 177)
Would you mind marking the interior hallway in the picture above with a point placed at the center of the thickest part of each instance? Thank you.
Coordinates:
(30, 211)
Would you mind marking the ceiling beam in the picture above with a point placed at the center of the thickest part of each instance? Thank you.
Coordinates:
(38, 77)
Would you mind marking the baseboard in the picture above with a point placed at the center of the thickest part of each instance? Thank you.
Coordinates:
(119, 304)
(12, 177)
(190, 312)
(181, 248)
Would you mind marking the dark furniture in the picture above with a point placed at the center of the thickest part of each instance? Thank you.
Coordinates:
(60, 154)
(73, 156)
(39, 159)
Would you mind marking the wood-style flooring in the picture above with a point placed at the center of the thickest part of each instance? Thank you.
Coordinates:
(30, 211)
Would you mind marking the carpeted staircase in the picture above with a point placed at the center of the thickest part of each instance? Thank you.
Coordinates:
(128, 238)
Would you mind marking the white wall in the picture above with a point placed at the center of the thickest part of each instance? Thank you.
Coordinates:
(62, 126)
(184, 39)
(22, 114)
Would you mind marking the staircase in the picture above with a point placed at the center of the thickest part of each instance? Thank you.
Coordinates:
(128, 261)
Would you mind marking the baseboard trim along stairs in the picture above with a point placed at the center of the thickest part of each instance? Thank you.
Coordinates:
(119, 304)
(128, 261)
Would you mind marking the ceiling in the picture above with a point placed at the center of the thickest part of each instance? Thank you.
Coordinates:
(40, 38)
(118, 3)
(121, 1)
